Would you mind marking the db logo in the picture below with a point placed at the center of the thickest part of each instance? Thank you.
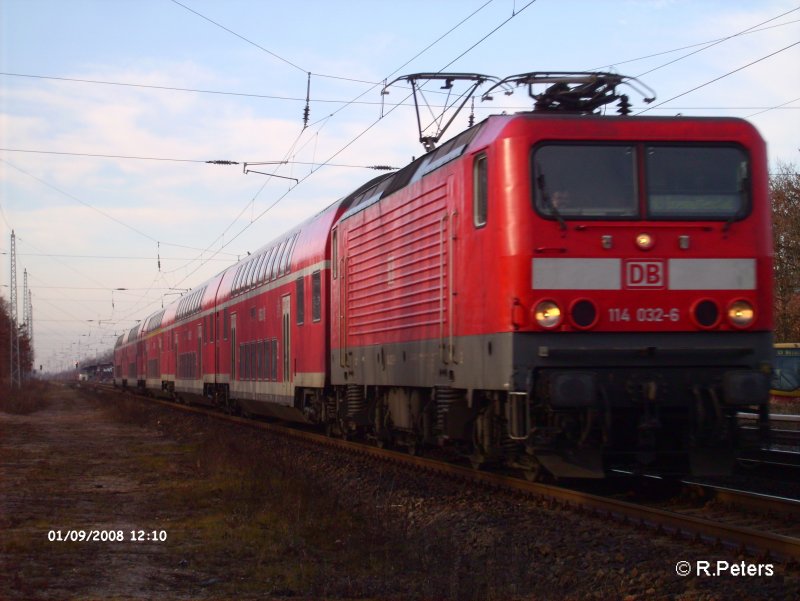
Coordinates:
(644, 274)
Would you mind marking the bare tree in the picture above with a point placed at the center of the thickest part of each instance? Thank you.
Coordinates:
(784, 188)
(26, 355)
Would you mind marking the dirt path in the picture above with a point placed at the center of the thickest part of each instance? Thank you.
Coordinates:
(241, 521)
(71, 468)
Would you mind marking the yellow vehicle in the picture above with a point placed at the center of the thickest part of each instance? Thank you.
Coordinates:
(786, 373)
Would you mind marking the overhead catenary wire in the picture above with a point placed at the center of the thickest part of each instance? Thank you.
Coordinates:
(705, 43)
(174, 160)
(197, 90)
(717, 42)
(241, 37)
(750, 64)
(695, 45)
(326, 75)
(116, 257)
(778, 107)
(381, 102)
(92, 207)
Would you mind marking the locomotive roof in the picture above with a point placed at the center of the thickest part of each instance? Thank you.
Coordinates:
(383, 185)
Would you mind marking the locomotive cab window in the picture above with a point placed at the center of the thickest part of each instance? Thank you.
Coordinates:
(697, 182)
(480, 194)
(584, 181)
(335, 253)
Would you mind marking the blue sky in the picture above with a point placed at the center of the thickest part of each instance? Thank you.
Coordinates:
(86, 225)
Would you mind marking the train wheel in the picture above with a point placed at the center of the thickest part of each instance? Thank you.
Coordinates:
(536, 474)
(333, 429)
(477, 460)
(533, 471)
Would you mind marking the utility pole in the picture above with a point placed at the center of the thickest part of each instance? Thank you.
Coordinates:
(25, 301)
(27, 312)
(16, 379)
(30, 322)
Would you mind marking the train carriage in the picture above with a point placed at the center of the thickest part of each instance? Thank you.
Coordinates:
(253, 338)
(785, 385)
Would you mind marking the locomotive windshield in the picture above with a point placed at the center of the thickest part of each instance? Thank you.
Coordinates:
(597, 181)
(580, 181)
(686, 182)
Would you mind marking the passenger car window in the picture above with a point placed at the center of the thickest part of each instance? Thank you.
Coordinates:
(300, 310)
(316, 296)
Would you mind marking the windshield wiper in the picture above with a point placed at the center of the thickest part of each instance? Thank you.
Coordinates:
(546, 198)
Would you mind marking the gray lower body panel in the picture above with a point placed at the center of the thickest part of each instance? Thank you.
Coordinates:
(506, 361)
(474, 362)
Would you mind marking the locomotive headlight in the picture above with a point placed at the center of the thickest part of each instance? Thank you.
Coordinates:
(645, 241)
(741, 313)
(547, 314)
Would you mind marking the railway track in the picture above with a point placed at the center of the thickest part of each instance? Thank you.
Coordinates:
(764, 534)
(783, 452)
(784, 430)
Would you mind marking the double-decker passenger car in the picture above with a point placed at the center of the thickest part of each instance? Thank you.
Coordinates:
(785, 386)
(554, 289)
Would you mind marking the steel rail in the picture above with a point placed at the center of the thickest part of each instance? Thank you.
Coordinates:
(751, 501)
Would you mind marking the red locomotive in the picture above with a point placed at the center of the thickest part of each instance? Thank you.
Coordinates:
(553, 290)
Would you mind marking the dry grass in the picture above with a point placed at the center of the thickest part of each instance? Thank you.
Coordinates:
(26, 400)
(785, 405)
(254, 521)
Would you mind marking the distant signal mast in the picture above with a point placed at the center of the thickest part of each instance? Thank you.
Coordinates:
(27, 310)
(13, 332)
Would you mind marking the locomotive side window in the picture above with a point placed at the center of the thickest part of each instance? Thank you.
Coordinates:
(479, 191)
(300, 300)
(583, 181)
(697, 182)
(335, 253)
